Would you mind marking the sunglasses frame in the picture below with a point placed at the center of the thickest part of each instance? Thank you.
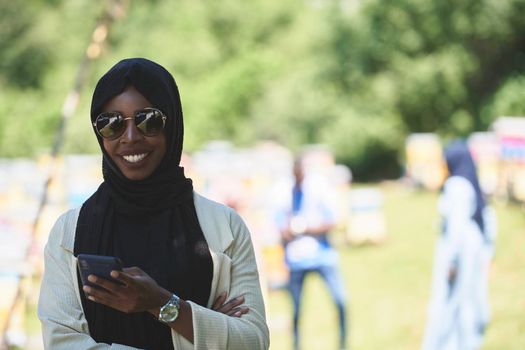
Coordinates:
(164, 118)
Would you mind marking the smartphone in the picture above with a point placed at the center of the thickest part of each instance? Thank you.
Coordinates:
(97, 265)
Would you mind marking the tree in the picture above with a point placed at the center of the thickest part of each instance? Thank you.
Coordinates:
(356, 75)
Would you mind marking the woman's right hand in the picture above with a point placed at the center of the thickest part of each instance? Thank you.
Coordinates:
(137, 291)
(230, 308)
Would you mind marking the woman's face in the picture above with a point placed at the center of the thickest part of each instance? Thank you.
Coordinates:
(136, 155)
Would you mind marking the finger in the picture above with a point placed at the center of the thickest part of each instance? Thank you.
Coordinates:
(96, 294)
(232, 312)
(238, 312)
(123, 277)
(233, 303)
(108, 285)
(103, 297)
(219, 301)
(104, 300)
(133, 271)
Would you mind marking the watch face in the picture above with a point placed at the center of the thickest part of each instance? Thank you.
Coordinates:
(170, 311)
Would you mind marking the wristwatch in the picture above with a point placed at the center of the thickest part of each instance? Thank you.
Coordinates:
(170, 311)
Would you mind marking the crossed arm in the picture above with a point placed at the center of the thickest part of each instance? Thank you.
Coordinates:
(138, 292)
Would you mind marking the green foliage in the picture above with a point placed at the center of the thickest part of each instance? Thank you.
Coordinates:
(24, 58)
(358, 76)
(431, 66)
(509, 100)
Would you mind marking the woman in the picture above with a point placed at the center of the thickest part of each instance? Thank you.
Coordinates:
(457, 317)
(183, 253)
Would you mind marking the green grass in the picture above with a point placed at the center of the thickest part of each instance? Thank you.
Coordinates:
(389, 284)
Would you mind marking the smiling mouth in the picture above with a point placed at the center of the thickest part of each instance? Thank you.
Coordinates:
(135, 158)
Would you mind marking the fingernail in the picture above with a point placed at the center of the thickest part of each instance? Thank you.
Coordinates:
(92, 278)
(86, 289)
(114, 274)
(91, 298)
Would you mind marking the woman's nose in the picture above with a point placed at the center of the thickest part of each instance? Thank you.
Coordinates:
(131, 133)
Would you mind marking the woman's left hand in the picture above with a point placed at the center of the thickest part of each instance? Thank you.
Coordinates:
(232, 307)
(136, 292)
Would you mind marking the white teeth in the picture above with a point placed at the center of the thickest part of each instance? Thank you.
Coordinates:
(133, 158)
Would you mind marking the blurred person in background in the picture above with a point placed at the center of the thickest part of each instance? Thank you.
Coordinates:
(182, 253)
(459, 309)
(305, 218)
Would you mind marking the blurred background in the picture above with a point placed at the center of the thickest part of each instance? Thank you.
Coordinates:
(370, 90)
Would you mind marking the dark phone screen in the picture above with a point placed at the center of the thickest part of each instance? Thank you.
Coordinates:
(97, 265)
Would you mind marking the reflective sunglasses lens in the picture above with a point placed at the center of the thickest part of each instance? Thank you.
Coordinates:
(150, 122)
(110, 125)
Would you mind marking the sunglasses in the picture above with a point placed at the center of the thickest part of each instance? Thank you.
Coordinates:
(149, 121)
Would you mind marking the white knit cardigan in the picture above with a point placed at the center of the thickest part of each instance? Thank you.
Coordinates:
(234, 271)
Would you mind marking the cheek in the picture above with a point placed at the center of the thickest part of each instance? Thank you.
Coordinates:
(107, 146)
(162, 145)
(110, 149)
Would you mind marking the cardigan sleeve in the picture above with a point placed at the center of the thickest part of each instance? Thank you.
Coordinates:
(63, 323)
(214, 330)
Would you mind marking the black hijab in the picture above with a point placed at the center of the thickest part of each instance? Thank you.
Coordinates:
(460, 163)
(149, 223)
